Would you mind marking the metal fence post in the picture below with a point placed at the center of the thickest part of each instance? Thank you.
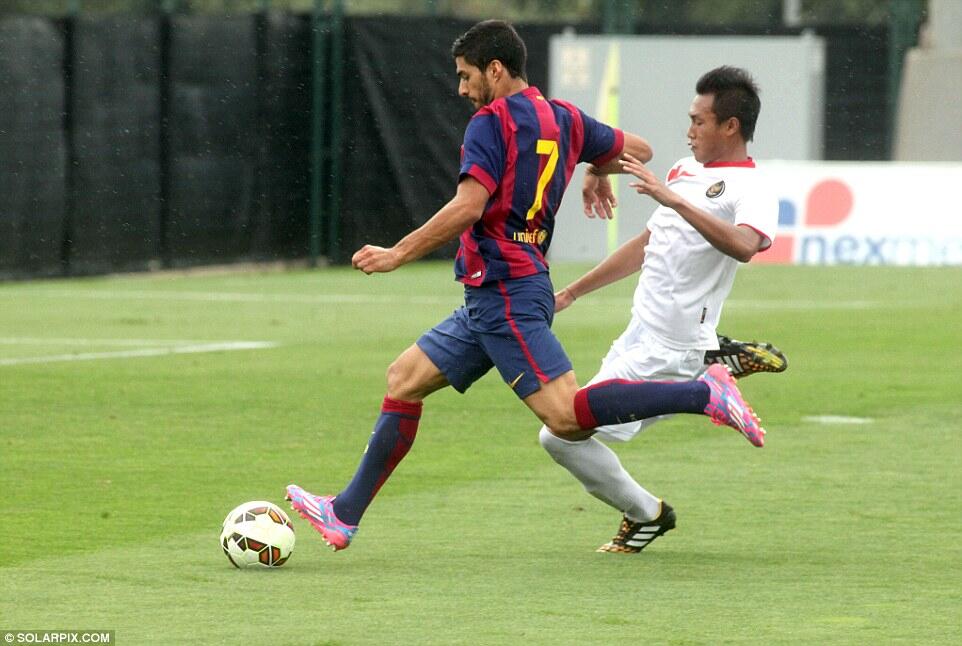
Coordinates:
(905, 16)
(165, 173)
(318, 68)
(618, 16)
(337, 95)
(69, 126)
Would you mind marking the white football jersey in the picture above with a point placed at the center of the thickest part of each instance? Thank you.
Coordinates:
(685, 280)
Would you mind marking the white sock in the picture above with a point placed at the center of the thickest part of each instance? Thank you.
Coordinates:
(600, 471)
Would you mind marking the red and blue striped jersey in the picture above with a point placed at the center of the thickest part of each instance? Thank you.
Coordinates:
(523, 148)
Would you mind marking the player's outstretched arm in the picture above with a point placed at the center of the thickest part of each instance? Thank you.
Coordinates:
(597, 195)
(464, 209)
(739, 242)
(635, 146)
(625, 261)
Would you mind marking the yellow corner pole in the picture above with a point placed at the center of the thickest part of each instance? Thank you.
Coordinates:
(607, 109)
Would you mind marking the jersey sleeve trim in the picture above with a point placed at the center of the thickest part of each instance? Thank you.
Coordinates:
(482, 176)
(765, 237)
(616, 148)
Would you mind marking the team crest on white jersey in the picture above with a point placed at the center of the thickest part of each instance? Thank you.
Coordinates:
(715, 189)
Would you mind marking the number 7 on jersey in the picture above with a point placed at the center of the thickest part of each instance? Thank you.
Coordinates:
(550, 148)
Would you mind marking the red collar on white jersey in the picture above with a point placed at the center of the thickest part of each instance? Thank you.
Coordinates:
(748, 163)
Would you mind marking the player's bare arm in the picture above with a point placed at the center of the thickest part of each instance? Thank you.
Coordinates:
(596, 192)
(464, 209)
(739, 242)
(625, 261)
(635, 146)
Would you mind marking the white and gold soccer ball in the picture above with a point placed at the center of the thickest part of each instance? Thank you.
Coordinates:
(257, 534)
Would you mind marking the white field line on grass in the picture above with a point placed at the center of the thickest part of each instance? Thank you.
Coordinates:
(135, 343)
(238, 297)
(837, 419)
(373, 299)
(222, 346)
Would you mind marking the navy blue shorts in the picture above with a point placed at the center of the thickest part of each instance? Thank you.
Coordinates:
(505, 324)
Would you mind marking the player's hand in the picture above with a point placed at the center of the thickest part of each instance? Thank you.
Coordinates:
(371, 259)
(648, 183)
(598, 197)
(563, 299)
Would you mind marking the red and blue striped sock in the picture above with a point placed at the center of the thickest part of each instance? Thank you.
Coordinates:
(618, 401)
(392, 438)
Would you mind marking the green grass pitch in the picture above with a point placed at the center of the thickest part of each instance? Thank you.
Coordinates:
(116, 471)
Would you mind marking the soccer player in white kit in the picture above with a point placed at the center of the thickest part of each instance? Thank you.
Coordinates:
(716, 211)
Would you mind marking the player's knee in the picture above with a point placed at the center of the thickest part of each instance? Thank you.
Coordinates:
(554, 406)
(400, 379)
(563, 424)
(410, 379)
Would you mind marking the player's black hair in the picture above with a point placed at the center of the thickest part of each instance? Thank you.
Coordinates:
(492, 40)
(736, 95)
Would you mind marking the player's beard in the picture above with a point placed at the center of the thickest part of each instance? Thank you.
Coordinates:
(486, 94)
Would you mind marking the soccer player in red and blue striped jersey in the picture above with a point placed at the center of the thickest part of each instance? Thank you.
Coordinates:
(523, 150)
(519, 153)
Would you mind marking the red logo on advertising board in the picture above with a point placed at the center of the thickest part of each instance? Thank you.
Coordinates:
(828, 204)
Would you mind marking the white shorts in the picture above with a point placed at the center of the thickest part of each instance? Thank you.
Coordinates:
(638, 356)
